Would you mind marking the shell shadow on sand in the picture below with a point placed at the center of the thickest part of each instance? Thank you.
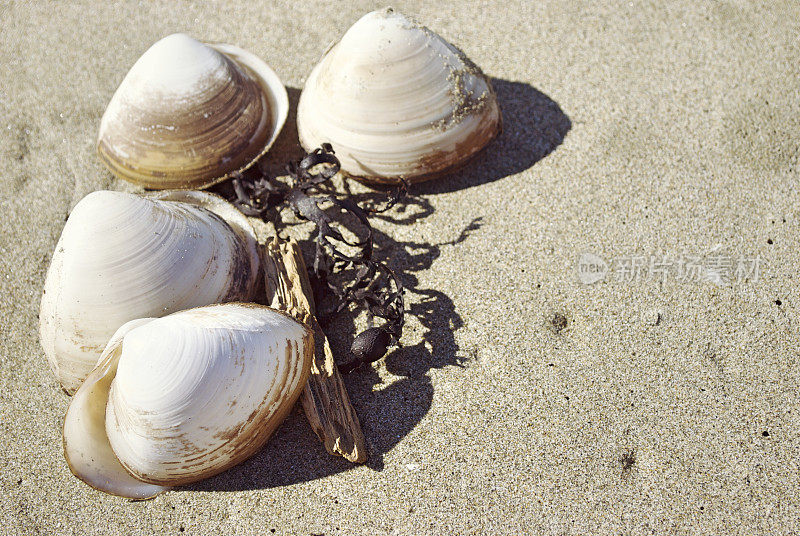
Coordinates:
(534, 126)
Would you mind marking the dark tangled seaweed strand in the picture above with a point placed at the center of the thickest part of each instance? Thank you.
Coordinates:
(373, 285)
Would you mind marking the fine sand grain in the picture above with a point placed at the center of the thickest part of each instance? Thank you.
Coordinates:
(522, 401)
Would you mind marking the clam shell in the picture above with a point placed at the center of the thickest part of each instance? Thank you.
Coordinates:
(396, 100)
(181, 398)
(123, 256)
(189, 115)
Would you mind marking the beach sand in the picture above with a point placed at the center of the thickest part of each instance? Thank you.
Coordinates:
(523, 400)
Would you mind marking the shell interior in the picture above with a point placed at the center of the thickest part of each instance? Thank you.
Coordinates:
(189, 114)
(86, 447)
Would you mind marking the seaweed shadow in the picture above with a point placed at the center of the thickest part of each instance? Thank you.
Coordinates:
(387, 412)
(534, 126)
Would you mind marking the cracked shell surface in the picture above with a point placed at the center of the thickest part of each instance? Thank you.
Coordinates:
(394, 99)
(189, 115)
(124, 256)
(186, 396)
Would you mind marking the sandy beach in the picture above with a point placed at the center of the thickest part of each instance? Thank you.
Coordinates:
(602, 307)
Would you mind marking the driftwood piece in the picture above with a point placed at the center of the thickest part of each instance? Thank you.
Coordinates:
(325, 401)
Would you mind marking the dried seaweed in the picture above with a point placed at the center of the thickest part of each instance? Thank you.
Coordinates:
(343, 272)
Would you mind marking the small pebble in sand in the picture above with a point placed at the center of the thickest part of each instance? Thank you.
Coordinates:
(653, 317)
(558, 322)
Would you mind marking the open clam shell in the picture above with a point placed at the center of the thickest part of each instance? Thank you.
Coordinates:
(394, 99)
(123, 256)
(189, 115)
(184, 397)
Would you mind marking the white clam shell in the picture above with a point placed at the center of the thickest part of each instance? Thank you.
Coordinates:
(183, 397)
(189, 115)
(396, 100)
(123, 256)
